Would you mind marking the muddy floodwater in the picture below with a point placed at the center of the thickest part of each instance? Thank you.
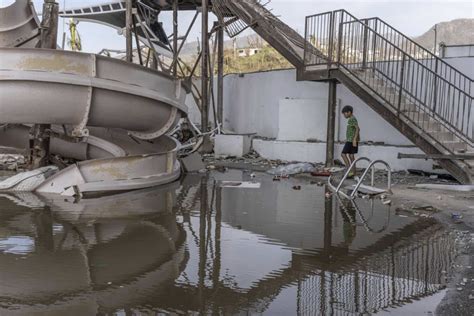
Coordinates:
(201, 246)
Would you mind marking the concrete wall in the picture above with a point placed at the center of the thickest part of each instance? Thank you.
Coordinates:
(252, 105)
(274, 105)
(316, 153)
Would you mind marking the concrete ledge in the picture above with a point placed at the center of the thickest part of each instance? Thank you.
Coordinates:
(232, 145)
(316, 153)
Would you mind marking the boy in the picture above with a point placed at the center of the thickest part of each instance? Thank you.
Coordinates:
(352, 139)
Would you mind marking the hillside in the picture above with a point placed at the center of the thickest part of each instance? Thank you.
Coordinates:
(454, 32)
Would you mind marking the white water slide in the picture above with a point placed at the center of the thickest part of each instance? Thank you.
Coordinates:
(116, 114)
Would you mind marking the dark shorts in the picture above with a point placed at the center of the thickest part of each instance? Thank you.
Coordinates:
(349, 149)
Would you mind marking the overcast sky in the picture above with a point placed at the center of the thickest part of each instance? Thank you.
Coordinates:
(413, 17)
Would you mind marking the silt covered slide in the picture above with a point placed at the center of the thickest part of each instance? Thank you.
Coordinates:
(110, 116)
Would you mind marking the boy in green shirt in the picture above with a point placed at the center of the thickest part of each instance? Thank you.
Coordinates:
(352, 139)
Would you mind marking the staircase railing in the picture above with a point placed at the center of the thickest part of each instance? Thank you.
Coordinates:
(321, 32)
(417, 84)
(426, 57)
(409, 86)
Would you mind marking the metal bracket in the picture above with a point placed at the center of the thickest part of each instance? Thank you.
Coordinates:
(81, 130)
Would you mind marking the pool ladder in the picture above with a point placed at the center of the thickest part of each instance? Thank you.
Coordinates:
(370, 168)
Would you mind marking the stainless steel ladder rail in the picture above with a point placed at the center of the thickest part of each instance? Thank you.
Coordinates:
(370, 168)
(364, 221)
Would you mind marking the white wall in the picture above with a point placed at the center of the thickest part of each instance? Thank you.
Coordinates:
(274, 105)
(302, 119)
(316, 153)
(252, 105)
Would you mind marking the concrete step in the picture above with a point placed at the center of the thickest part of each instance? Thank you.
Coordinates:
(430, 125)
(408, 106)
(383, 89)
(455, 146)
(442, 135)
(416, 115)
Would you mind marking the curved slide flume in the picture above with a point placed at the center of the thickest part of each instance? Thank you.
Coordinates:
(119, 111)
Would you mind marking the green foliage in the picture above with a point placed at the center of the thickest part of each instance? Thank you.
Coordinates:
(266, 59)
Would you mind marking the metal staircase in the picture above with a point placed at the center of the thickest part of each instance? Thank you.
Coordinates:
(422, 96)
(425, 98)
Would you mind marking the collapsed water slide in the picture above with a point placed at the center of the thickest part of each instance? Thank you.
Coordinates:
(109, 115)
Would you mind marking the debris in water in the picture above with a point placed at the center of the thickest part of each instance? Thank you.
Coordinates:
(292, 169)
(297, 187)
(456, 216)
(320, 173)
(240, 185)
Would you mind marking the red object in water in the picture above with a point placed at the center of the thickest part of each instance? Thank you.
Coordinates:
(320, 173)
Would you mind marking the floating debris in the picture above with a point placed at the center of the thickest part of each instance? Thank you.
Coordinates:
(240, 185)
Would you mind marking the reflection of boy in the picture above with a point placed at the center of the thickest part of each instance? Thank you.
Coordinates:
(348, 227)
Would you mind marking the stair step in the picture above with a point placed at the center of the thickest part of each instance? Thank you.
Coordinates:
(455, 146)
(430, 125)
(409, 107)
(416, 115)
(385, 89)
(442, 136)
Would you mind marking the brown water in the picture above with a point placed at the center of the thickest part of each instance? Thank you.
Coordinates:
(199, 248)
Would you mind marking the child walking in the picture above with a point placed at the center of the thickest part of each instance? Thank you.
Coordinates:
(352, 139)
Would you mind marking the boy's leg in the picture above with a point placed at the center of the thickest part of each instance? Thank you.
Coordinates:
(346, 159)
(352, 159)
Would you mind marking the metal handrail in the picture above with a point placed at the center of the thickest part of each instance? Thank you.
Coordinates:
(454, 94)
(409, 40)
(329, 34)
(365, 222)
(450, 101)
(371, 168)
(353, 164)
(407, 55)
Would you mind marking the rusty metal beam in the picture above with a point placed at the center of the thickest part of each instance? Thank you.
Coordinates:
(129, 30)
(175, 38)
(331, 125)
(207, 146)
(435, 156)
(39, 136)
(220, 74)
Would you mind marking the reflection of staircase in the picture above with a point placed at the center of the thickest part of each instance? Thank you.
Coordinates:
(423, 97)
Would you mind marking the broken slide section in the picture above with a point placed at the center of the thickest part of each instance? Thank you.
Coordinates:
(110, 116)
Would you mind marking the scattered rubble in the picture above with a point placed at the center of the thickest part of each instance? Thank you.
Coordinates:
(12, 162)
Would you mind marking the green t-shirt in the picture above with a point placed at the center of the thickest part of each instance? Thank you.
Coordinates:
(352, 125)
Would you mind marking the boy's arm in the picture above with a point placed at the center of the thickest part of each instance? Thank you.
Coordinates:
(356, 136)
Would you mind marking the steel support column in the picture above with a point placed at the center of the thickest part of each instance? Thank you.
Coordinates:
(175, 38)
(331, 126)
(39, 136)
(206, 148)
(220, 73)
(128, 30)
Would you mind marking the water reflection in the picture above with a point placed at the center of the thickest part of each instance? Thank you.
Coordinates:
(198, 247)
(82, 264)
